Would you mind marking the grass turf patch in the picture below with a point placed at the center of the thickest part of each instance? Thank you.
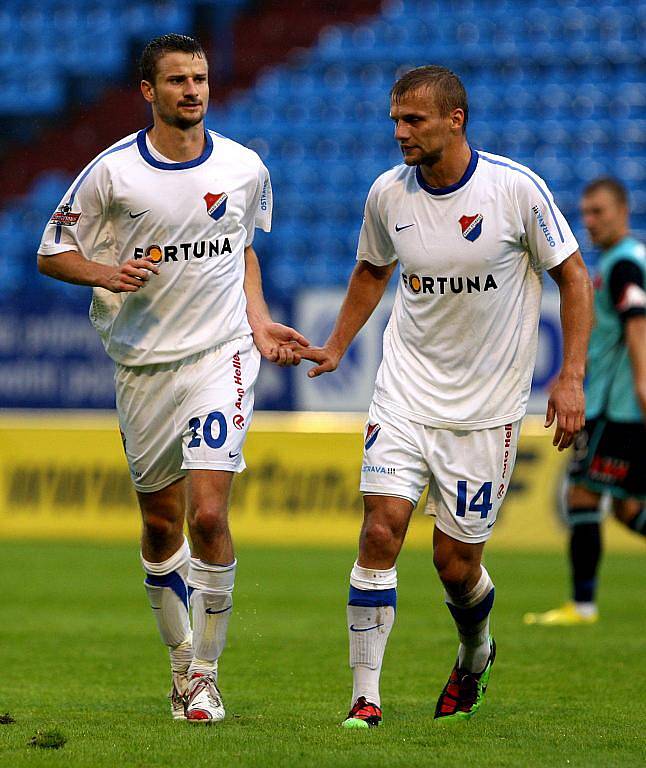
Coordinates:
(81, 655)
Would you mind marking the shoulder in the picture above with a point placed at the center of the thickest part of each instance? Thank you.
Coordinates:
(120, 150)
(391, 181)
(633, 250)
(240, 154)
(510, 172)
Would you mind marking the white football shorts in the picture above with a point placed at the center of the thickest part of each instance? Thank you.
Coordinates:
(190, 414)
(467, 472)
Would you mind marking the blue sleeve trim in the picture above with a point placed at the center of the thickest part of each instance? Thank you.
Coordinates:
(84, 175)
(145, 153)
(537, 185)
(172, 580)
(476, 613)
(473, 163)
(372, 598)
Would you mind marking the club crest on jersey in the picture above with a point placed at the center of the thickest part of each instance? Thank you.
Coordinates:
(216, 205)
(372, 433)
(471, 226)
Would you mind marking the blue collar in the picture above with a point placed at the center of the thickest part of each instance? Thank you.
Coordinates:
(145, 153)
(473, 162)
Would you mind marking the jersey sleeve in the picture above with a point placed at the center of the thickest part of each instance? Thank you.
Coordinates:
(375, 245)
(80, 223)
(547, 233)
(258, 213)
(626, 285)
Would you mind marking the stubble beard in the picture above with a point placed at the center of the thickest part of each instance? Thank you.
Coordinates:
(183, 123)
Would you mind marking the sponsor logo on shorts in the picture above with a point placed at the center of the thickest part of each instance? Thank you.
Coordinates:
(605, 469)
(183, 251)
(372, 433)
(505, 458)
(64, 216)
(237, 380)
(471, 226)
(216, 204)
(238, 421)
(441, 285)
(378, 470)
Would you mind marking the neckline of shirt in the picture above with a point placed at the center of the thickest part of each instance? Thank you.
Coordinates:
(142, 146)
(438, 191)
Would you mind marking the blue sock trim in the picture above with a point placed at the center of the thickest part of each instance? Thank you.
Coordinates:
(584, 590)
(583, 515)
(173, 580)
(475, 614)
(372, 598)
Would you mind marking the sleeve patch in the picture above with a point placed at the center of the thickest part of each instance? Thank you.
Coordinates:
(633, 297)
(64, 216)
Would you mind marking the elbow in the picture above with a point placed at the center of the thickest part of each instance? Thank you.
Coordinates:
(41, 265)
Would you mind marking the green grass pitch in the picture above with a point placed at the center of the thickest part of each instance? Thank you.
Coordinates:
(80, 655)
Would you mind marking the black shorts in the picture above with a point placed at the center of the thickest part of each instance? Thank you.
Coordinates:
(610, 457)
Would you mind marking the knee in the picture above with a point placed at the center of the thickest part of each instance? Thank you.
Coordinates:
(381, 536)
(625, 510)
(458, 575)
(160, 528)
(208, 523)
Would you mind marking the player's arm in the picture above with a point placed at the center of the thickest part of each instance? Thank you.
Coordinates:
(629, 297)
(636, 344)
(272, 339)
(72, 267)
(566, 403)
(365, 289)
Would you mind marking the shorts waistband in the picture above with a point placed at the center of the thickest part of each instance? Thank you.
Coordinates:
(174, 365)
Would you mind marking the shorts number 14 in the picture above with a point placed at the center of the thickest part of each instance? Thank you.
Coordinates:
(481, 502)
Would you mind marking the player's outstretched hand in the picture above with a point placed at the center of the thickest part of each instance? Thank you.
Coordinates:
(567, 405)
(326, 358)
(279, 343)
(130, 276)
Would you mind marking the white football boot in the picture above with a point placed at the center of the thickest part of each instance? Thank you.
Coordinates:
(177, 695)
(204, 701)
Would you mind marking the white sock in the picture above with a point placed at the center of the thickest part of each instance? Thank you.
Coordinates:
(586, 609)
(371, 614)
(167, 591)
(212, 602)
(471, 615)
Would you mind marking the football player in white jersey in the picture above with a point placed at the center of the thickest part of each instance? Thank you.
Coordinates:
(472, 233)
(161, 224)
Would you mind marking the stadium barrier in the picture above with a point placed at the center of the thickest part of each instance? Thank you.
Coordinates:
(64, 476)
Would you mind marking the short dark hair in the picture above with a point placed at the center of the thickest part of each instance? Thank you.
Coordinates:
(448, 90)
(157, 47)
(614, 186)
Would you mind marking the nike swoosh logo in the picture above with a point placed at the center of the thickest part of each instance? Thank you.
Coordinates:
(406, 226)
(212, 612)
(364, 629)
(137, 215)
(233, 455)
(491, 525)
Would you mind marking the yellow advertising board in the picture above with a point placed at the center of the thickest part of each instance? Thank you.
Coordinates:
(65, 476)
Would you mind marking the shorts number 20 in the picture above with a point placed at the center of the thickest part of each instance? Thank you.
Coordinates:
(213, 441)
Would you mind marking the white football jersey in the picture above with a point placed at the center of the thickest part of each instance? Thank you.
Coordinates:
(460, 346)
(193, 219)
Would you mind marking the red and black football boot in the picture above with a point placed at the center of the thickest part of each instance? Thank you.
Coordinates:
(464, 691)
(363, 714)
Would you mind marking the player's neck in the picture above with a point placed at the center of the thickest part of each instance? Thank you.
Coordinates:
(616, 238)
(450, 169)
(177, 145)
